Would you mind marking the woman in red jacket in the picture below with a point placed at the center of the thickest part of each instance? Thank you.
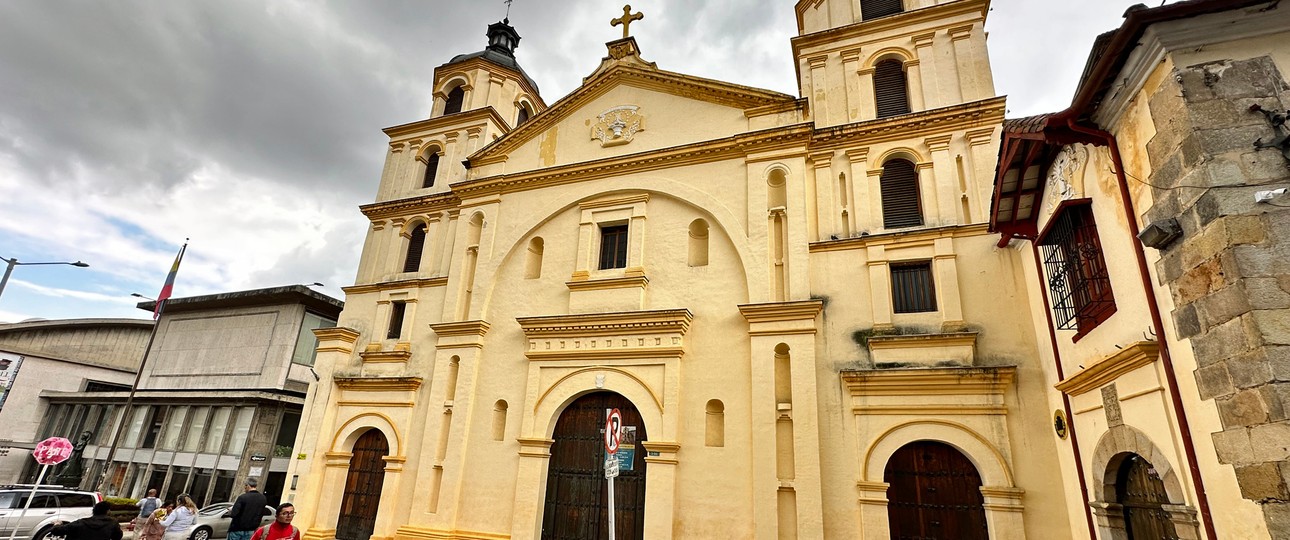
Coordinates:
(281, 528)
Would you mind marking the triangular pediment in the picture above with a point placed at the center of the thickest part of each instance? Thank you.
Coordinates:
(645, 102)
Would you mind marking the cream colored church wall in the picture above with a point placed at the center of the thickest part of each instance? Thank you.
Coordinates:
(667, 121)
(818, 16)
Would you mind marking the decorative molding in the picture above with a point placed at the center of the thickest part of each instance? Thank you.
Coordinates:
(461, 329)
(981, 136)
(960, 32)
(929, 381)
(856, 155)
(607, 336)
(626, 282)
(970, 115)
(919, 341)
(602, 324)
(397, 355)
(416, 283)
(935, 15)
(902, 237)
(666, 452)
(938, 142)
(421, 128)
(539, 447)
(378, 384)
(803, 310)
(818, 62)
(337, 339)
(412, 532)
(615, 201)
(411, 206)
(929, 410)
(1110, 368)
(618, 125)
(365, 404)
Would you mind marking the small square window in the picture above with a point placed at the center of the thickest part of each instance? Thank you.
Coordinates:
(613, 247)
(912, 290)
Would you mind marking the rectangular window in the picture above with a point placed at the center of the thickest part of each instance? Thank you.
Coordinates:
(397, 309)
(613, 247)
(174, 428)
(306, 341)
(157, 420)
(196, 428)
(135, 427)
(218, 427)
(241, 428)
(1078, 282)
(912, 290)
(286, 438)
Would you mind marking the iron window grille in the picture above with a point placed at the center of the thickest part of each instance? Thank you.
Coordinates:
(912, 289)
(613, 247)
(1078, 281)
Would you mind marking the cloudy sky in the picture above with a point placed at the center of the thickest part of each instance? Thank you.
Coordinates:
(254, 127)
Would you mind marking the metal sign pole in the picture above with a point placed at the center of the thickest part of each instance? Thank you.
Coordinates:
(612, 528)
(45, 468)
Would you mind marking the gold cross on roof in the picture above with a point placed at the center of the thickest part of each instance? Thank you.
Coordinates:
(626, 19)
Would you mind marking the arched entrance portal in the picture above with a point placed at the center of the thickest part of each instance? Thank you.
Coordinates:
(1139, 489)
(363, 487)
(576, 489)
(935, 493)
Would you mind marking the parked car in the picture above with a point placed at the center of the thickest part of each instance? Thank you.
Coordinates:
(51, 504)
(213, 521)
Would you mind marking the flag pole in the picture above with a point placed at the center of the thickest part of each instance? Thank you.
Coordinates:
(147, 350)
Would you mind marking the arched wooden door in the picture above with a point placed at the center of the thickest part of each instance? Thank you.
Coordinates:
(363, 487)
(935, 493)
(576, 489)
(1139, 489)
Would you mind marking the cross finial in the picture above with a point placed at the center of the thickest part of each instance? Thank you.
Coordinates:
(508, 9)
(626, 19)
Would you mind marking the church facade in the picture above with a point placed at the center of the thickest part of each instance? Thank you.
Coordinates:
(797, 305)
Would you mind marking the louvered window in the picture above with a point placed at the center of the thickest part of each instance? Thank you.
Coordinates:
(1078, 281)
(613, 247)
(432, 169)
(889, 91)
(912, 290)
(900, 205)
(455, 99)
(872, 9)
(397, 309)
(416, 244)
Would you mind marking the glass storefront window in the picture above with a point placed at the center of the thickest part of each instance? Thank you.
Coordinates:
(178, 482)
(107, 428)
(218, 427)
(201, 484)
(174, 428)
(241, 428)
(223, 486)
(196, 428)
(135, 427)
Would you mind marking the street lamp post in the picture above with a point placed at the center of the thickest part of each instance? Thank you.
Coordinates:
(14, 262)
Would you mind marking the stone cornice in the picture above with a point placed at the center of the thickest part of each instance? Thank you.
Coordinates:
(600, 324)
(396, 285)
(804, 310)
(627, 282)
(413, 205)
(461, 329)
(776, 108)
(901, 237)
(900, 21)
(461, 120)
(1106, 370)
(929, 381)
(402, 354)
(336, 339)
(378, 384)
(491, 67)
(927, 123)
(918, 341)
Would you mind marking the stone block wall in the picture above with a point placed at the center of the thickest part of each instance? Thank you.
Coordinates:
(1229, 274)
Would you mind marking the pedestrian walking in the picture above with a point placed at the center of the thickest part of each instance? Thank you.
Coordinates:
(152, 529)
(247, 511)
(147, 506)
(96, 527)
(281, 528)
(180, 520)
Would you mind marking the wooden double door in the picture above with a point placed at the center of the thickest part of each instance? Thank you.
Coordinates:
(362, 496)
(934, 493)
(577, 498)
(1140, 490)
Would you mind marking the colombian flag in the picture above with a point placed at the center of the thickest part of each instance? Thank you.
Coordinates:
(170, 283)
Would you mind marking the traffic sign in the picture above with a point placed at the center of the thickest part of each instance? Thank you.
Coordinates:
(611, 468)
(613, 431)
(52, 451)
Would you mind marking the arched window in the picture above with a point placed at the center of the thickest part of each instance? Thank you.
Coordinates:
(499, 420)
(900, 204)
(456, 97)
(432, 168)
(872, 9)
(889, 90)
(533, 263)
(416, 244)
(698, 243)
(523, 115)
(715, 414)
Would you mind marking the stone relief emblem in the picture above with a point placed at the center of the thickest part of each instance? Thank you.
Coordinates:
(1066, 173)
(618, 125)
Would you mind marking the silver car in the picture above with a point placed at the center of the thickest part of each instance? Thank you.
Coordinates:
(51, 505)
(213, 521)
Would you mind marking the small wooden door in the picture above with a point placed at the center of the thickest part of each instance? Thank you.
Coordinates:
(576, 489)
(363, 487)
(935, 493)
(1142, 493)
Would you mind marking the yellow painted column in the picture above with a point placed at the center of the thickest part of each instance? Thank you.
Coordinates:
(868, 101)
(880, 287)
(387, 516)
(960, 37)
(331, 491)
(851, 81)
(983, 151)
(660, 487)
(861, 204)
(874, 523)
(944, 183)
(825, 195)
(530, 497)
(947, 285)
(928, 192)
(914, 83)
(819, 89)
(927, 72)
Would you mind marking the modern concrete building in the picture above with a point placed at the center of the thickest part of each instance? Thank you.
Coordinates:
(218, 399)
(76, 355)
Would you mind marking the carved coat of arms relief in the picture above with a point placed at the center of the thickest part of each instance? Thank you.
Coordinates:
(618, 125)
(1065, 176)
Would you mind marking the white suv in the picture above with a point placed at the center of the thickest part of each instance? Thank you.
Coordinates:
(52, 504)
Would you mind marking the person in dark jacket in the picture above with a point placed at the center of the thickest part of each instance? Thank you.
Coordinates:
(96, 527)
(246, 513)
